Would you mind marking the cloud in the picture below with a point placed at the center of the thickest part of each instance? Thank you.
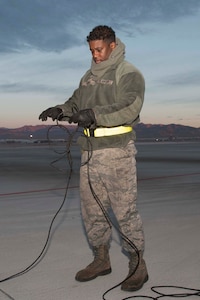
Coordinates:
(28, 87)
(42, 72)
(182, 79)
(44, 53)
(57, 25)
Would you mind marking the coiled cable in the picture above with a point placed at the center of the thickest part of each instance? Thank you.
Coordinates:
(188, 292)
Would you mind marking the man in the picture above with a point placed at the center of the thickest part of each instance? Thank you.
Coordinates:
(107, 105)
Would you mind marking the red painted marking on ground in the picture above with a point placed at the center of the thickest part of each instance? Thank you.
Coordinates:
(75, 187)
(36, 191)
(168, 176)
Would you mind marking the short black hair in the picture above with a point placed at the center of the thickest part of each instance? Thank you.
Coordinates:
(102, 32)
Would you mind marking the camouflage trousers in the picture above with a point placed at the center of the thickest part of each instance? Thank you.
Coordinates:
(111, 172)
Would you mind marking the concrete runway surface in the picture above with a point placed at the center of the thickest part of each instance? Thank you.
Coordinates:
(32, 190)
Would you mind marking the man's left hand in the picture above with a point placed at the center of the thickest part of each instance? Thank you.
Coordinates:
(85, 118)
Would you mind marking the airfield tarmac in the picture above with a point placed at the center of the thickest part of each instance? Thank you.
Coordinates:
(32, 190)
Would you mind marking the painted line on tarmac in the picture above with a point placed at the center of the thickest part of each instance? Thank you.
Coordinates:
(76, 186)
(168, 176)
(37, 191)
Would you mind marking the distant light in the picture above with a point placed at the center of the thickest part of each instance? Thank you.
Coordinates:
(31, 136)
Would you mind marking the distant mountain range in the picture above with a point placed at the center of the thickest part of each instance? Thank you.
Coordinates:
(143, 131)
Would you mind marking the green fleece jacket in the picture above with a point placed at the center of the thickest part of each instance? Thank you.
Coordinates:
(114, 89)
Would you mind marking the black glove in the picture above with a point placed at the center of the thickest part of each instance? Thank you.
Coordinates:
(53, 112)
(85, 118)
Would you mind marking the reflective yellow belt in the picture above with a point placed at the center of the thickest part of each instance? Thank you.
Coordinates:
(105, 131)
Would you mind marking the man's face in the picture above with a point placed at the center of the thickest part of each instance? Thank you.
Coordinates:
(101, 50)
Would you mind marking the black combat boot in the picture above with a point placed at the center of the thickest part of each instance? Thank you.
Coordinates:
(100, 265)
(135, 281)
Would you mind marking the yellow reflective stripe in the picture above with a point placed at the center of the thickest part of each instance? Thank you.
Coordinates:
(104, 131)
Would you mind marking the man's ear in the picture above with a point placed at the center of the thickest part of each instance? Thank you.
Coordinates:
(112, 45)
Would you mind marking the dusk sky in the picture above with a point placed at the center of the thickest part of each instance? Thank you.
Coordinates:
(44, 54)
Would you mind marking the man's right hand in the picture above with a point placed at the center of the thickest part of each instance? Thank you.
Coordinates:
(53, 112)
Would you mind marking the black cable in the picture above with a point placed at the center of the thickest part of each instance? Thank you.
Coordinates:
(36, 261)
(190, 291)
(6, 294)
(195, 292)
(32, 265)
(110, 222)
(68, 142)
